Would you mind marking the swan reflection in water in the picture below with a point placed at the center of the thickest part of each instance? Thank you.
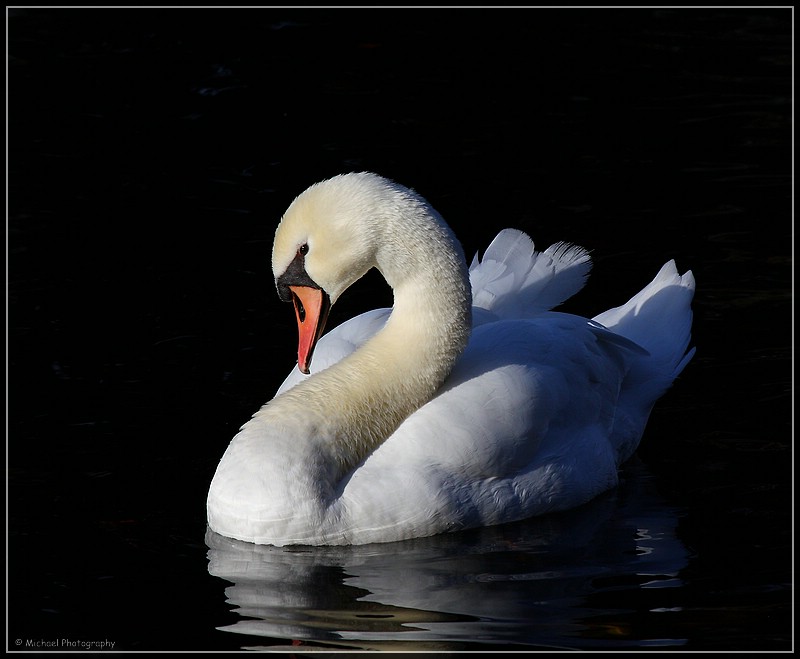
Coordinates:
(569, 580)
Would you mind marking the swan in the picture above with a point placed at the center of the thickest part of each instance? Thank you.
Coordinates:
(469, 403)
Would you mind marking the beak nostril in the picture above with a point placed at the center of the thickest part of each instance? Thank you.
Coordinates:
(298, 305)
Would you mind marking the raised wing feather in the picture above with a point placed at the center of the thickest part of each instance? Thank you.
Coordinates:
(513, 280)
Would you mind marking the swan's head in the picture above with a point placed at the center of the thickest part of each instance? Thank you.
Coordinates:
(337, 230)
(326, 241)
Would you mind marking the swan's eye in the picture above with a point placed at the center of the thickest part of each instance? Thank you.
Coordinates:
(303, 249)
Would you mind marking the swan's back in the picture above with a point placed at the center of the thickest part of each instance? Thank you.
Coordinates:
(521, 428)
(515, 281)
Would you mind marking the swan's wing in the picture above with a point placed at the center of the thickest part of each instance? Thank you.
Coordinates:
(338, 343)
(513, 280)
(520, 428)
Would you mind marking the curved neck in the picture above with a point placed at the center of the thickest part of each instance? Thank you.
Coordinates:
(350, 408)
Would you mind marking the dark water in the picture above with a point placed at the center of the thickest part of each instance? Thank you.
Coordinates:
(151, 153)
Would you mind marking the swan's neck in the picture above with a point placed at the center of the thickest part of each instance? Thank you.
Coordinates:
(344, 412)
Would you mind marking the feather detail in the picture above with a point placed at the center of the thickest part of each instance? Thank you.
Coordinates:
(513, 280)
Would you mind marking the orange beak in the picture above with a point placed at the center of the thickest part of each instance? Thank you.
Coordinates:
(311, 306)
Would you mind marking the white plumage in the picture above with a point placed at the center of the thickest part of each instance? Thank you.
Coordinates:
(445, 412)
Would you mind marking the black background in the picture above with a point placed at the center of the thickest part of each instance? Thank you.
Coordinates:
(152, 152)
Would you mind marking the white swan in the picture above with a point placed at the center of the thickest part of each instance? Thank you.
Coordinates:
(467, 404)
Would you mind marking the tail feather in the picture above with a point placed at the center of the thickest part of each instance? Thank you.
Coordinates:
(513, 280)
(658, 318)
